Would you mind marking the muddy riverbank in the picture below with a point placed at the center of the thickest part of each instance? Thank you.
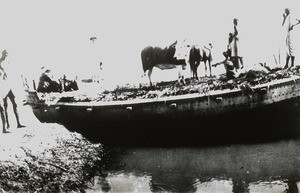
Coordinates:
(48, 158)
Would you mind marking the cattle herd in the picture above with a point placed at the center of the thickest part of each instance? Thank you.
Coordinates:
(176, 55)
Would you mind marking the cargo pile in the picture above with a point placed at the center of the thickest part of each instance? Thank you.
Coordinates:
(173, 88)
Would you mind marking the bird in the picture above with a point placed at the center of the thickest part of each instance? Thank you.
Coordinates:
(93, 39)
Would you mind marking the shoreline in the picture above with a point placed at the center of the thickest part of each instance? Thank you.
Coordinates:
(47, 157)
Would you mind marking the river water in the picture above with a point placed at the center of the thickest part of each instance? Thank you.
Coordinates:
(254, 166)
(270, 166)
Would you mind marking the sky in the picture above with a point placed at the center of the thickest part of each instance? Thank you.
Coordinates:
(56, 34)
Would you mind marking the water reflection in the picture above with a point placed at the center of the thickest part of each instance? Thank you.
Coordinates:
(272, 167)
(215, 186)
(269, 187)
(129, 183)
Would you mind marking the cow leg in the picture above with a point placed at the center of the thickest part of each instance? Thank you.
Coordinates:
(181, 76)
(149, 75)
(196, 72)
(196, 69)
(209, 64)
(191, 70)
(205, 68)
(192, 73)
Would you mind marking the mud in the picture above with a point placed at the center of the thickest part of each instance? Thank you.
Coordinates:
(48, 158)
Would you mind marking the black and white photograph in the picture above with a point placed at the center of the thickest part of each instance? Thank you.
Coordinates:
(150, 96)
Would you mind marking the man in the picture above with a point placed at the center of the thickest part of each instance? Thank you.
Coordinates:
(9, 93)
(228, 65)
(290, 50)
(233, 48)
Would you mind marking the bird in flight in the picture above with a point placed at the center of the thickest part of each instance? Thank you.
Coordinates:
(93, 39)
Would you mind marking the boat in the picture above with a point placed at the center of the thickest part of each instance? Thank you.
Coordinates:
(256, 112)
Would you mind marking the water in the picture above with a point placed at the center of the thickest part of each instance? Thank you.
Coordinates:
(266, 162)
(267, 167)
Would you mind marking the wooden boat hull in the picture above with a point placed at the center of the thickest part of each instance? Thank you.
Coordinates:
(264, 109)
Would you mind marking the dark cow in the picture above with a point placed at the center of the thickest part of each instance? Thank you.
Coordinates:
(47, 85)
(195, 56)
(194, 60)
(68, 85)
(161, 58)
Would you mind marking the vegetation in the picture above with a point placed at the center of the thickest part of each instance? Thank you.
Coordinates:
(69, 166)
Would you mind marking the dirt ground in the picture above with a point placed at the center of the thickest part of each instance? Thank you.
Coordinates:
(47, 158)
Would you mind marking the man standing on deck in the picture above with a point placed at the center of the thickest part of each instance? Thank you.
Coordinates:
(290, 50)
(233, 48)
(10, 93)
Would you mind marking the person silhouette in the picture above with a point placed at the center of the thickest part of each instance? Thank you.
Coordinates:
(233, 47)
(290, 49)
(9, 95)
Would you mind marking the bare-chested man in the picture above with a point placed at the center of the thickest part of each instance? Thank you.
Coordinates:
(9, 93)
(228, 65)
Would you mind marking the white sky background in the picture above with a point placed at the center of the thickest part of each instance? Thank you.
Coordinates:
(56, 33)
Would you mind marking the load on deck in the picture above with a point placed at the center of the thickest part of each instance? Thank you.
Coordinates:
(172, 88)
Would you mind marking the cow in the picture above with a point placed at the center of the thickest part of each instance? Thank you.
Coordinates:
(67, 85)
(194, 61)
(195, 56)
(162, 59)
(48, 85)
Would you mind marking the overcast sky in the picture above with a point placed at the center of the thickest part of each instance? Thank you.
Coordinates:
(56, 33)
